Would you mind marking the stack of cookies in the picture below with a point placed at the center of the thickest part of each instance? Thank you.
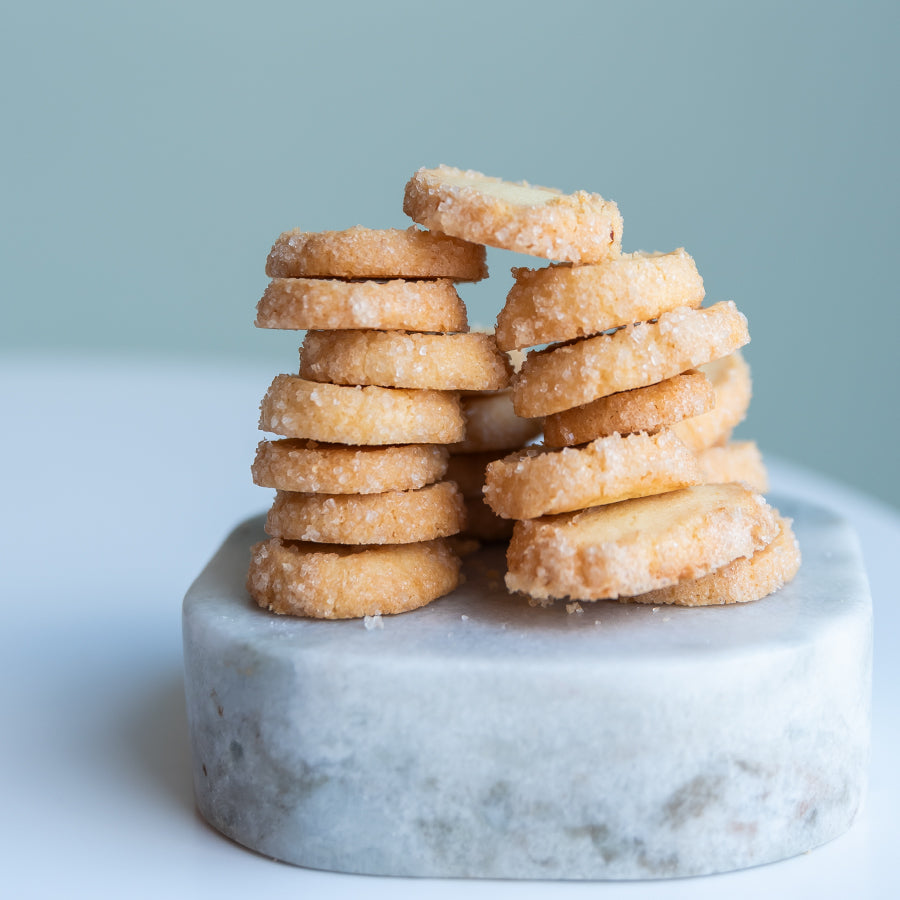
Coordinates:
(635, 492)
(362, 510)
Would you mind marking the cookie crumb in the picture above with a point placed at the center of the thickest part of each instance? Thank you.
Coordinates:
(574, 608)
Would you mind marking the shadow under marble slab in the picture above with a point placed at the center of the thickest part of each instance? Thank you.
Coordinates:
(483, 737)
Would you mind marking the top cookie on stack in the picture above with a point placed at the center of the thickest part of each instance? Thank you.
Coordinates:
(539, 221)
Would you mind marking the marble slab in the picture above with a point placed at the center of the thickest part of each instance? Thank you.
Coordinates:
(481, 737)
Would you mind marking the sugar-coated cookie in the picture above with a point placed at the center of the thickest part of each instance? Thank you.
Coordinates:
(730, 378)
(392, 517)
(293, 464)
(442, 362)
(735, 461)
(371, 253)
(641, 409)
(742, 580)
(539, 221)
(563, 302)
(559, 378)
(295, 407)
(539, 482)
(638, 545)
(308, 303)
(329, 581)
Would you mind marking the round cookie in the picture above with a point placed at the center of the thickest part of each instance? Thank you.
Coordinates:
(295, 407)
(392, 517)
(638, 545)
(740, 581)
(319, 303)
(292, 464)
(641, 409)
(370, 253)
(736, 461)
(574, 374)
(336, 582)
(492, 424)
(730, 377)
(539, 221)
(563, 302)
(539, 482)
(443, 362)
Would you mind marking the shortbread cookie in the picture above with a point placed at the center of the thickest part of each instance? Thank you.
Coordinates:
(574, 374)
(642, 409)
(443, 362)
(298, 465)
(329, 581)
(483, 524)
(301, 303)
(369, 253)
(492, 424)
(539, 482)
(740, 581)
(638, 545)
(730, 377)
(563, 302)
(579, 227)
(295, 407)
(736, 461)
(392, 517)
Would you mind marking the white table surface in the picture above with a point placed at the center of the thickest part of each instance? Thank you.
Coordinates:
(119, 480)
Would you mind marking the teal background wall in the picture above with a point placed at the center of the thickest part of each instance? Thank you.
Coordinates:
(151, 153)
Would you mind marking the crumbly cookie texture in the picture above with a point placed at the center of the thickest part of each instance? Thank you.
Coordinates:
(336, 582)
(443, 362)
(638, 545)
(539, 221)
(564, 302)
(539, 482)
(492, 424)
(642, 409)
(740, 581)
(735, 461)
(371, 253)
(730, 377)
(575, 374)
(392, 517)
(293, 464)
(327, 303)
(295, 407)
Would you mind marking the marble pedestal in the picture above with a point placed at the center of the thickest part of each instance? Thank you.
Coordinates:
(481, 737)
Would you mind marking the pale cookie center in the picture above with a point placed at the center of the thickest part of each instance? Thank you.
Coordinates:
(514, 194)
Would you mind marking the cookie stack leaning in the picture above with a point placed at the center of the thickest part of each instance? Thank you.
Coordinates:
(617, 501)
(362, 509)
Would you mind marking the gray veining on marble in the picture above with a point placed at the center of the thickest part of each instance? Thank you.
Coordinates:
(482, 737)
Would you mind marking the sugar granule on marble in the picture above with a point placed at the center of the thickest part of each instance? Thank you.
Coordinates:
(372, 622)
